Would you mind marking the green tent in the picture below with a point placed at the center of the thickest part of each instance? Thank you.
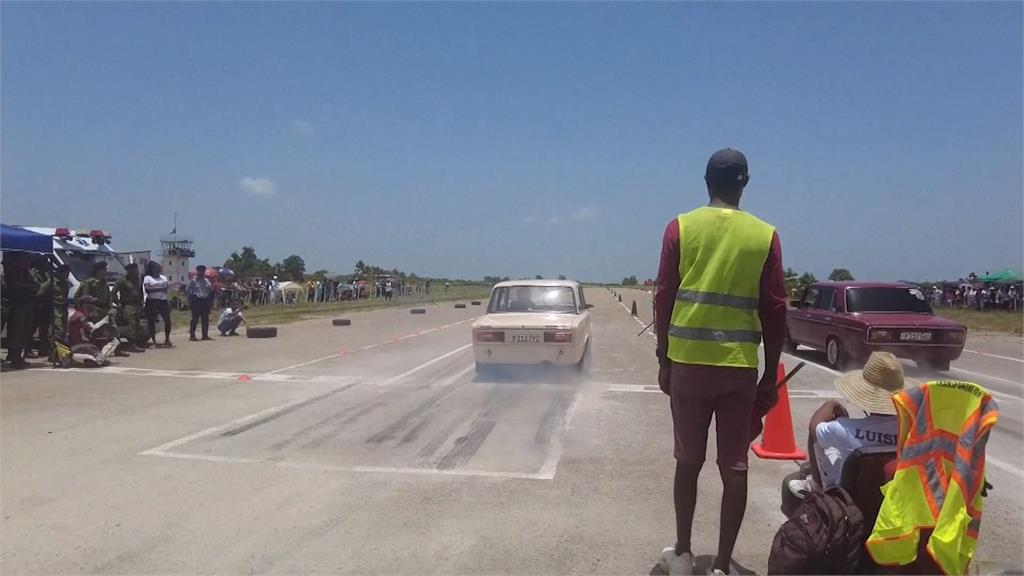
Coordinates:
(1007, 276)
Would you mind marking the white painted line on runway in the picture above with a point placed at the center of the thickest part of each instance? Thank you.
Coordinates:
(368, 347)
(989, 376)
(550, 466)
(814, 364)
(633, 388)
(302, 364)
(200, 375)
(1012, 359)
(1004, 466)
(161, 449)
(360, 469)
(427, 363)
(818, 394)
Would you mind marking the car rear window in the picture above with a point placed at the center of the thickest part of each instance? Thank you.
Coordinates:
(533, 299)
(892, 299)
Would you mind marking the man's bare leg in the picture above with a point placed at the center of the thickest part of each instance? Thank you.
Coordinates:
(734, 506)
(685, 496)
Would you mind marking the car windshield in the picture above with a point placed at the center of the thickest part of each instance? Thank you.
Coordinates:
(81, 263)
(887, 300)
(533, 299)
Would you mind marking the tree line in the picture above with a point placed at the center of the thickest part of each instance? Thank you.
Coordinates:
(247, 265)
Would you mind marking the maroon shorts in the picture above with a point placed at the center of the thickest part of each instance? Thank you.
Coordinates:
(727, 393)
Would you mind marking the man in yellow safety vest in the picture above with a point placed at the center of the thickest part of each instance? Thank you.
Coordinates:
(720, 291)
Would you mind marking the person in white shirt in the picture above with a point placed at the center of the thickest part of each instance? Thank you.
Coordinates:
(155, 287)
(230, 318)
(834, 435)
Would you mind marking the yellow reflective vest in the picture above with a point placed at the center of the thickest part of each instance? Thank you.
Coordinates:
(715, 318)
(939, 476)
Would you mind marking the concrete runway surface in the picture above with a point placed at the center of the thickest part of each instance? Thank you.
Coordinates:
(376, 449)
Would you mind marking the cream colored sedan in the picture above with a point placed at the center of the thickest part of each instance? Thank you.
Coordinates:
(534, 322)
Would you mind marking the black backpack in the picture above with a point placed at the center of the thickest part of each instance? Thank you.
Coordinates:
(825, 535)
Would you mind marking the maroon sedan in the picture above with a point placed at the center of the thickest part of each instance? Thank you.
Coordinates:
(850, 320)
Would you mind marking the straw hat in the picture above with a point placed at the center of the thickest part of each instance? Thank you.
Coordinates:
(872, 388)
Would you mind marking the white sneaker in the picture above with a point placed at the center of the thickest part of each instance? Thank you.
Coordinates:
(798, 487)
(676, 565)
(716, 571)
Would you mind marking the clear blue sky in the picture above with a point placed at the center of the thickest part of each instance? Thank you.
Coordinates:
(473, 139)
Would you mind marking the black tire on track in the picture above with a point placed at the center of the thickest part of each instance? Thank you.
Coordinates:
(418, 311)
(341, 322)
(261, 332)
(460, 305)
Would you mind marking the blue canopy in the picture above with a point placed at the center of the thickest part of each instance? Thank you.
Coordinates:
(18, 239)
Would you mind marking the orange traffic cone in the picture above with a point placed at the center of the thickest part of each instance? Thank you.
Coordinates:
(633, 311)
(778, 443)
(620, 297)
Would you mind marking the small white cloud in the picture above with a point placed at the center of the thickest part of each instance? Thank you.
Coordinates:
(530, 219)
(257, 186)
(302, 127)
(584, 214)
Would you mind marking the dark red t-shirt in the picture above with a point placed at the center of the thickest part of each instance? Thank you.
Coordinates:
(78, 330)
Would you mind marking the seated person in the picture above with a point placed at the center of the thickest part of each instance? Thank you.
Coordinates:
(230, 318)
(833, 435)
(522, 302)
(84, 337)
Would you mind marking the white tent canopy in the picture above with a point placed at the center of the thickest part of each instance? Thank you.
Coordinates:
(293, 289)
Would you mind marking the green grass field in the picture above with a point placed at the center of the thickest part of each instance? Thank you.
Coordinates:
(1004, 322)
(282, 314)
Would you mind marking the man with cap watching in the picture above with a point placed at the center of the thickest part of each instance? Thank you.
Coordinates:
(200, 301)
(719, 293)
(128, 295)
(96, 286)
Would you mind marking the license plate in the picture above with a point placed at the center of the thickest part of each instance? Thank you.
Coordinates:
(525, 338)
(915, 336)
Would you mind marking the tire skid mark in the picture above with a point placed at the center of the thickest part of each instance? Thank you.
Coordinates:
(553, 417)
(414, 432)
(418, 412)
(354, 413)
(405, 419)
(466, 447)
(270, 417)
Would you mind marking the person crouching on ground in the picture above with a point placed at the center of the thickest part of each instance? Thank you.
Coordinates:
(833, 435)
(83, 335)
(230, 319)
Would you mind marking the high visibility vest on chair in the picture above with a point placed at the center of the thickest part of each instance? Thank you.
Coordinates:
(944, 426)
(715, 319)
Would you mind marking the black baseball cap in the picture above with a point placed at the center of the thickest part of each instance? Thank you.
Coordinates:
(727, 167)
(201, 267)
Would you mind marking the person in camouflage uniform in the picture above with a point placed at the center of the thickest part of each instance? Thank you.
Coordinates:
(43, 317)
(20, 289)
(128, 297)
(55, 290)
(96, 286)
